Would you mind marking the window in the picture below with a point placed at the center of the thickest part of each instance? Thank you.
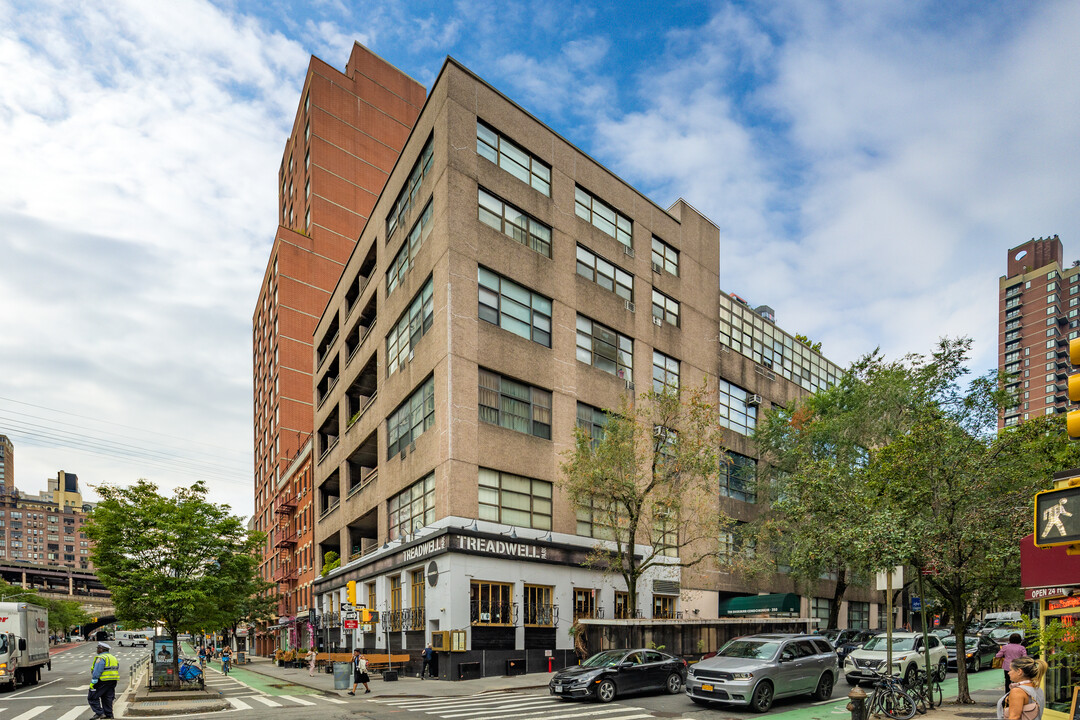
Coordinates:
(511, 158)
(491, 603)
(737, 478)
(665, 256)
(665, 373)
(735, 411)
(820, 608)
(411, 418)
(410, 189)
(664, 607)
(584, 603)
(513, 405)
(604, 348)
(395, 602)
(412, 508)
(603, 216)
(538, 607)
(593, 421)
(414, 322)
(665, 308)
(608, 276)
(417, 577)
(371, 596)
(407, 254)
(622, 605)
(514, 307)
(514, 500)
(515, 224)
(859, 615)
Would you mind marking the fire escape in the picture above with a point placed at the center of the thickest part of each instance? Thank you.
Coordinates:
(285, 542)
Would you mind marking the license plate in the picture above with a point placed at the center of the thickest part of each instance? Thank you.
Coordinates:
(558, 688)
(707, 688)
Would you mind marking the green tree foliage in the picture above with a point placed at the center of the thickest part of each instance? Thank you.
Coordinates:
(180, 561)
(63, 614)
(331, 562)
(650, 482)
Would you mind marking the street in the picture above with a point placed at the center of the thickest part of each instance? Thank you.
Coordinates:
(61, 695)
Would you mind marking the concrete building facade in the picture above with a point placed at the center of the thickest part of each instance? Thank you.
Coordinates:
(46, 529)
(509, 289)
(348, 130)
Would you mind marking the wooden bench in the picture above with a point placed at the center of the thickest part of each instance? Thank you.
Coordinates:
(377, 662)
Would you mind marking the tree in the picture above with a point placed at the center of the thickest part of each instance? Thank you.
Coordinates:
(649, 479)
(178, 561)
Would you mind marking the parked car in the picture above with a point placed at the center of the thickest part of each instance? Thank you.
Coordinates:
(1001, 635)
(857, 641)
(756, 669)
(979, 653)
(839, 637)
(941, 632)
(76, 638)
(619, 672)
(907, 655)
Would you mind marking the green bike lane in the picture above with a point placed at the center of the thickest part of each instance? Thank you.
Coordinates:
(836, 709)
(255, 681)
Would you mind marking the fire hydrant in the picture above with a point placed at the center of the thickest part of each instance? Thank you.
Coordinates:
(857, 703)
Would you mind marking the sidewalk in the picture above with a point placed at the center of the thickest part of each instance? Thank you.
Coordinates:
(405, 686)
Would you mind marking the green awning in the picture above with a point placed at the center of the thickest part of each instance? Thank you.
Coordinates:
(785, 603)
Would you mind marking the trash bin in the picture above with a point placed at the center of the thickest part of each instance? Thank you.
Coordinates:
(342, 675)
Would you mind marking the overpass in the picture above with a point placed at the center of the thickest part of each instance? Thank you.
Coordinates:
(63, 583)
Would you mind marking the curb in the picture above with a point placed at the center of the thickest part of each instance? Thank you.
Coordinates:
(165, 707)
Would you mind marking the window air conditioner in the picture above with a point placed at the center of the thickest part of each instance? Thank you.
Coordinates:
(657, 321)
(754, 400)
(628, 250)
(656, 268)
(629, 306)
(629, 384)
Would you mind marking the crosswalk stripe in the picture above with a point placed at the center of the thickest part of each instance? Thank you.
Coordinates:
(332, 700)
(238, 704)
(503, 707)
(33, 712)
(265, 701)
(568, 712)
(298, 701)
(72, 714)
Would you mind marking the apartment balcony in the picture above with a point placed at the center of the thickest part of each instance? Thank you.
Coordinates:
(360, 282)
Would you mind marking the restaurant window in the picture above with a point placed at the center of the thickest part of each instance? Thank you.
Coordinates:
(538, 608)
(395, 602)
(491, 603)
(417, 577)
(664, 607)
(622, 605)
(584, 603)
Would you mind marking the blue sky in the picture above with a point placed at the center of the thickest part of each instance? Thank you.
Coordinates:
(868, 163)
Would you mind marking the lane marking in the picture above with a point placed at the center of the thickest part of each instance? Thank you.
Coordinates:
(72, 714)
(238, 704)
(266, 701)
(32, 688)
(296, 700)
(34, 712)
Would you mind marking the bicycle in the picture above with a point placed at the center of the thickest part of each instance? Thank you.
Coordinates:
(926, 691)
(226, 661)
(890, 698)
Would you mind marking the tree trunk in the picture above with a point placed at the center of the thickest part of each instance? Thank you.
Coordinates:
(838, 597)
(963, 693)
(175, 659)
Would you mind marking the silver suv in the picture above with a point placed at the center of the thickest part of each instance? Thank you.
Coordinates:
(756, 669)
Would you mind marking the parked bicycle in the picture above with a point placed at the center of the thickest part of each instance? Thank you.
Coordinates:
(190, 672)
(926, 691)
(890, 698)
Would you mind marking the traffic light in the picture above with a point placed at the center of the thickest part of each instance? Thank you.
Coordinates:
(369, 617)
(1072, 420)
(350, 591)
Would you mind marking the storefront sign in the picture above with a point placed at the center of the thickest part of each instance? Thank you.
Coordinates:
(1063, 603)
(1044, 593)
(1057, 517)
(503, 548)
(427, 548)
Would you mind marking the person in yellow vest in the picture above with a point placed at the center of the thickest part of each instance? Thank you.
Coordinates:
(104, 674)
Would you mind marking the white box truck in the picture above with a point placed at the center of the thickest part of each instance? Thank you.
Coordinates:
(24, 643)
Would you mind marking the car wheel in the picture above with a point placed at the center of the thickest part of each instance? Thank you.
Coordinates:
(909, 676)
(674, 684)
(762, 698)
(942, 670)
(824, 687)
(605, 691)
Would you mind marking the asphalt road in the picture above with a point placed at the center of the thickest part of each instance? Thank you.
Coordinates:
(61, 694)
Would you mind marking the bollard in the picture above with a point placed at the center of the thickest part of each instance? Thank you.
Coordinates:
(857, 703)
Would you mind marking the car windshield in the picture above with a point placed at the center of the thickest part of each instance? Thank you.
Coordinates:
(1002, 633)
(830, 635)
(950, 641)
(755, 649)
(3, 644)
(605, 659)
(880, 643)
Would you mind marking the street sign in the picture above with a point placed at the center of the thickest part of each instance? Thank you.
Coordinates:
(1057, 517)
(351, 624)
(916, 604)
(897, 578)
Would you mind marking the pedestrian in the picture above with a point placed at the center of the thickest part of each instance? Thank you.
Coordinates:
(1025, 700)
(429, 657)
(1010, 652)
(360, 676)
(312, 656)
(104, 674)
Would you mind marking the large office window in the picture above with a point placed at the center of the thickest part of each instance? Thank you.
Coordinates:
(513, 223)
(665, 308)
(736, 412)
(665, 373)
(411, 418)
(514, 500)
(593, 267)
(407, 197)
(592, 420)
(604, 348)
(737, 478)
(664, 256)
(410, 327)
(517, 406)
(514, 307)
(858, 615)
(412, 508)
(407, 254)
(511, 158)
(603, 216)
(819, 608)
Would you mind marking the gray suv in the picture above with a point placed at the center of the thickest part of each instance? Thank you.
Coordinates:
(756, 669)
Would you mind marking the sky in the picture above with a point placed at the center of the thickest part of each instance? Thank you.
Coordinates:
(868, 163)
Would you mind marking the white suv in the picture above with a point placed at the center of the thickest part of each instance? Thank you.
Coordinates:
(907, 655)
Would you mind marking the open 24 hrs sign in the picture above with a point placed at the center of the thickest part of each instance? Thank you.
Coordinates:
(1057, 517)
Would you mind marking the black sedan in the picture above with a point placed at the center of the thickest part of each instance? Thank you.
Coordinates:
(619, 672)
(979, 654)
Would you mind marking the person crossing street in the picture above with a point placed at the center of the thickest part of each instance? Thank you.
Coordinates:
(104, 674)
